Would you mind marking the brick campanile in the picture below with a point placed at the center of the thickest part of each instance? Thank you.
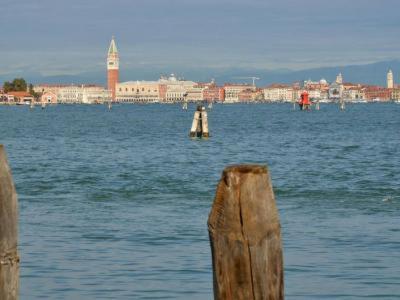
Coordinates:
(112, 68)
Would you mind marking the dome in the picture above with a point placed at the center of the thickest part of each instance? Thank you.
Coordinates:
(323, 81)
(172, 77)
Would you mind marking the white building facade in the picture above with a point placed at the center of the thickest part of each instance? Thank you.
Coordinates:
(278, 93)
(83, 94)
(232, 92)
(138, 92)
(165, 90)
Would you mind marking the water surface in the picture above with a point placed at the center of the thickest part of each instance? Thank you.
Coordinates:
(114, 204)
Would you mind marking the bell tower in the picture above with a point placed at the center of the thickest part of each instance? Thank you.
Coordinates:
(389, 80)
(112, 68)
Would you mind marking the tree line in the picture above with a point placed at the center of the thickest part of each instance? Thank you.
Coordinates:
(18, 85)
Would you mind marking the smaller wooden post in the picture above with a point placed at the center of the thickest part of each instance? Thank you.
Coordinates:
(9, 260)
(342, 104)
(200, 123)
(204, 123)
(195, 130)
(245, 236)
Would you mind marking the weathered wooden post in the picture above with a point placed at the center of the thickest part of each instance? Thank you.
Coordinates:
(342, 105)
(245, 236)
(200, 123)
(9, 260)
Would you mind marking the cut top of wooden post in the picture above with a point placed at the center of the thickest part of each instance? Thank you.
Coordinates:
(245, 236)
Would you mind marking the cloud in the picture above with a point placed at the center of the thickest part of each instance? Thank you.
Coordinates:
(71, 35)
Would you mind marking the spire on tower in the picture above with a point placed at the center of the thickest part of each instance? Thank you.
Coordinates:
(113, 47)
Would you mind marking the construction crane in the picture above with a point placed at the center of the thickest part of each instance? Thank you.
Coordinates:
(250, 77)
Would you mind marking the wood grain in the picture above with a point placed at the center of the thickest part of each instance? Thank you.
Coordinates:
(9, 260)
(245, 236)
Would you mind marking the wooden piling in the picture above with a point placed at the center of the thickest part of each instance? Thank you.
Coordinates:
(9, 259)
(200, 123)
(204, 123)
(245, 236)
(195, 125)
(342, 105)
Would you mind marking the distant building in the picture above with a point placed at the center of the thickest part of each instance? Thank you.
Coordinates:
(45, 87)
(49, 97)
(95, 94)
(320, 85)
(377, 93)
(194, 94)
(19, 97)
(389, 80)
(197, 92)
(251, 95)
(177, 89)
(354, 93)
(396, 94)
(112, 68)
(72, 93)
(296, 92)
(138, 92)
(317, 90)
(165, 90)
(83, 94)
(206, 84)
(314, 94)
(232, 91)
(339, 79)
(214, 94)
(349, 85)
(335, 91)
(278, 92)
(69, 94)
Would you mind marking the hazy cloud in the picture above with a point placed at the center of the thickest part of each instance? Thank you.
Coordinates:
(70, 36)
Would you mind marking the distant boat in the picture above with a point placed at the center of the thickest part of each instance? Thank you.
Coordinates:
(210, 105)
(185, 106)
(109, 105)
(43, 105)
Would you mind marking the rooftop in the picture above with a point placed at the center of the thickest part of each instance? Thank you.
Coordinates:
(19, 94)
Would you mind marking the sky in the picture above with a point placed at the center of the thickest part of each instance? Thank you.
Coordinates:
(55, 37)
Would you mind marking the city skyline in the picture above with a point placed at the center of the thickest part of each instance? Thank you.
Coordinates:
(180, 34)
